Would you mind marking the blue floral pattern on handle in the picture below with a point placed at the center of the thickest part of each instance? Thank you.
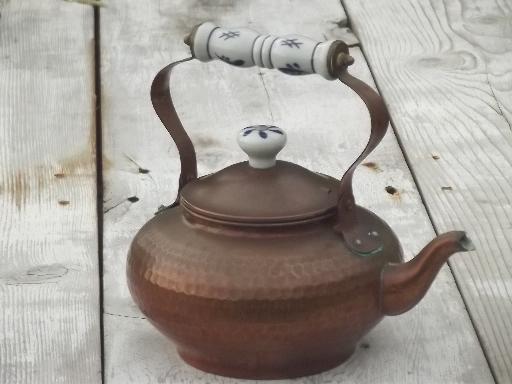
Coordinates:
(292, 43)
(292, 69)
(262, 130)
(226, 59)
(230, 35)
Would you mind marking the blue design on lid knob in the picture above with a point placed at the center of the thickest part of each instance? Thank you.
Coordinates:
(262, 130)
(262, 143)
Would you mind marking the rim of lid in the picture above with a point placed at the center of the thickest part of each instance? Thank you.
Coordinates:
(244, 196)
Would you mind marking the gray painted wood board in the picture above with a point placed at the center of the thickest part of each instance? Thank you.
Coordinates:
(49, 297)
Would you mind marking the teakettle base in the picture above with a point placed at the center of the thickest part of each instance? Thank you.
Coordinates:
(286, 369)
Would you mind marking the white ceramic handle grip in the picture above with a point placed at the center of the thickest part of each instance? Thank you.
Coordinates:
(243, 47)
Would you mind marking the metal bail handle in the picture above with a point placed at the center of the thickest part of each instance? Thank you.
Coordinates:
(293, 55)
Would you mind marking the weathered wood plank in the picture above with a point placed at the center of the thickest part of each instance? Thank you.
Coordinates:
(49, 317)
(445, 70)
(433, 343)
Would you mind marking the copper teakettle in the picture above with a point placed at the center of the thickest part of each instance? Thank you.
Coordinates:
(266, 269)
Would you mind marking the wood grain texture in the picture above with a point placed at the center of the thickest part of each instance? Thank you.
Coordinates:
(445, 70)
(434, 343)
(49, 309)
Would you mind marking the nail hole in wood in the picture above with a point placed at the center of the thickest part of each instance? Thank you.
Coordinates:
(391, 190)
(133, 199)
(372, 165)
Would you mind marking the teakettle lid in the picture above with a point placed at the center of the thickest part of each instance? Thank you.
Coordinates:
(262, 190)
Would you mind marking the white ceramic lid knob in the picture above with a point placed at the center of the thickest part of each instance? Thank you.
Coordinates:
(262, 143)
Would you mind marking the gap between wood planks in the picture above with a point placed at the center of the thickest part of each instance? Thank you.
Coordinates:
(99, 178)
(420, 191)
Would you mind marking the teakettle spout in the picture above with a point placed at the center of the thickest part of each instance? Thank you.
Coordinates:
(404, 285)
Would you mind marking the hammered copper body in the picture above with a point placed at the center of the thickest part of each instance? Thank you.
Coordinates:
(258, 303)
